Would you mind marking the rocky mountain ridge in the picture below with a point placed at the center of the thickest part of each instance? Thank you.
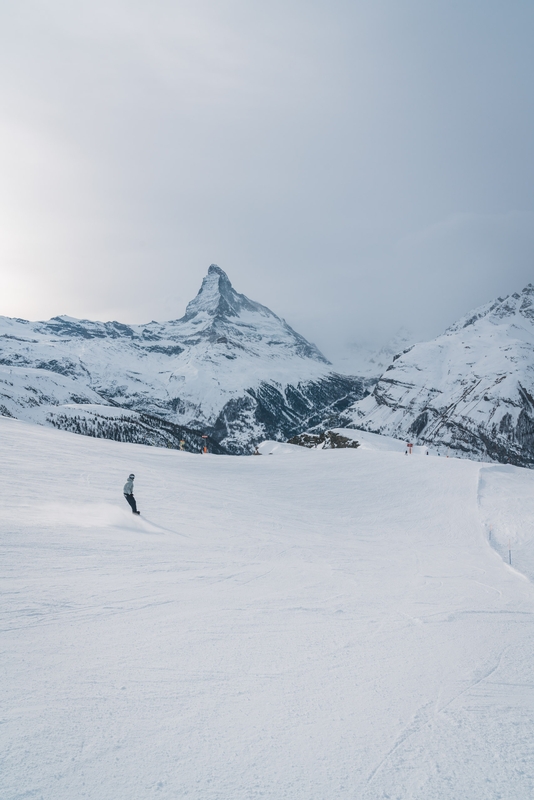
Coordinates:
(229, 367)
(470, 390)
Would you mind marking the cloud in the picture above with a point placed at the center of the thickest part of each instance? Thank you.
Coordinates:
(345, 163)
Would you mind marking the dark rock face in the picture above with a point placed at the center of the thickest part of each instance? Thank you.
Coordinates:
(419, 423)
(329, 440)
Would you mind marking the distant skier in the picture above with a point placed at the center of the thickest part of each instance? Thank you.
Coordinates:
(128, 493)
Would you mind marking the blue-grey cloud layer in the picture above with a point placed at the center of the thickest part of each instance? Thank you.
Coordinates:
(354, 165)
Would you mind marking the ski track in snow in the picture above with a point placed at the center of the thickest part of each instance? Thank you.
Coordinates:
(306, 625)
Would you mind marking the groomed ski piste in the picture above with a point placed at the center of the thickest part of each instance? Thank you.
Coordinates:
(304, 625)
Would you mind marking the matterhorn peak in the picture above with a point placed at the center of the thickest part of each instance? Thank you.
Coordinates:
(218, 298)
(215, 269)
(217, 276)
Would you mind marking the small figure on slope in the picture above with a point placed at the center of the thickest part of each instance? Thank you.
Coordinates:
(128, 493)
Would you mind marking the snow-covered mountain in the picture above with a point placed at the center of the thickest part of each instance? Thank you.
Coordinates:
(470, 390)
(229, 367)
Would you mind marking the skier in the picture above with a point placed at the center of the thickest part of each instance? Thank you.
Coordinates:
(128, 493)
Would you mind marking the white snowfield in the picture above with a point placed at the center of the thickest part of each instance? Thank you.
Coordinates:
(311, 625)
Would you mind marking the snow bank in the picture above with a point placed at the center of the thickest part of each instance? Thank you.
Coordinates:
(506, 496)
(270, 448)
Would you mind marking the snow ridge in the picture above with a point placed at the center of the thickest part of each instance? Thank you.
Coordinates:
(470, 389)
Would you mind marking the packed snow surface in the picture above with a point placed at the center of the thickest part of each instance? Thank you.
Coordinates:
(302, 625)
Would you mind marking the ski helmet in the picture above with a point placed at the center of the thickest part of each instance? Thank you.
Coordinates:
(131, 477)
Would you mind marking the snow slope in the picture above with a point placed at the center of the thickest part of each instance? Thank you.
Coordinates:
(229, 367)
(324, 624)
(471, 389)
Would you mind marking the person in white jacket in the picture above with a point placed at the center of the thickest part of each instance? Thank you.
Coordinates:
(128, 493)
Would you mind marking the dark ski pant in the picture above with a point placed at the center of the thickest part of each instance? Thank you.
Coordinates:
(131, 500)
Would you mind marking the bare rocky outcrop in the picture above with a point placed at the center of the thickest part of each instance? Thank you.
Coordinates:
(329, 440)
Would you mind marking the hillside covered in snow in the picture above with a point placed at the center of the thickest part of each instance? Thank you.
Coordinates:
(307, 624)
(230, 368)
(470, 390)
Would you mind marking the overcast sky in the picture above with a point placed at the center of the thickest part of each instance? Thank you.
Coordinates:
(356, 166)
